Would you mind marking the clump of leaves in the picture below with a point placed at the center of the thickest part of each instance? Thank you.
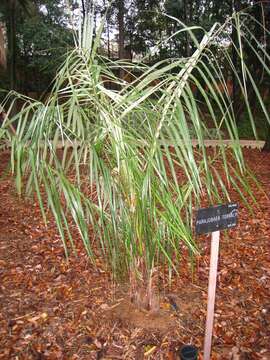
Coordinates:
(118, 143)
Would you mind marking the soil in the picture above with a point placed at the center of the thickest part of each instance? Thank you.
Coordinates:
(51, 308)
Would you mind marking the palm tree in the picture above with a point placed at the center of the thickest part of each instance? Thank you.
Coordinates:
(118, 175)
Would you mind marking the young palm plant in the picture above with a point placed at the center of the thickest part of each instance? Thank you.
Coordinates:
(128, 173)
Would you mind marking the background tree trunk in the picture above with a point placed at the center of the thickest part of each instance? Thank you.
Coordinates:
(121, 36)
(12, 49)
(83, 9)
(11, 30)
(3, 60)
(186, 20)
(267, 41)
(235, 8)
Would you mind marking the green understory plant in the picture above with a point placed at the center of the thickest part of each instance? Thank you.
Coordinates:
(127, 173)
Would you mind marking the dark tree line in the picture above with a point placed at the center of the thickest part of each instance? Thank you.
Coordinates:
(38, 34)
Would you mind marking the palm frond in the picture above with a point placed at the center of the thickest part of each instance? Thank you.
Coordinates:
(128, 171)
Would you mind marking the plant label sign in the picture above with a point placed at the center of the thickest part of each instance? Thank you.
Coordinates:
(216, 218)
(212, 220)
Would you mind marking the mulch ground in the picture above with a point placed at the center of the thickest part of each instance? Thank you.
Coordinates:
(51, 308)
